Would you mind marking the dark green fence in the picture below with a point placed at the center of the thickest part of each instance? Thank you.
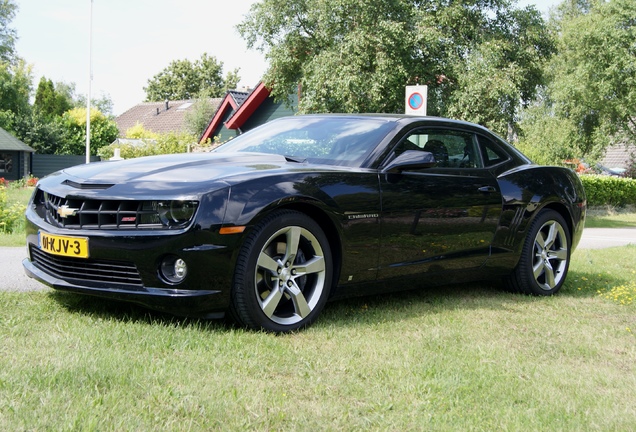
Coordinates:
(44, 164)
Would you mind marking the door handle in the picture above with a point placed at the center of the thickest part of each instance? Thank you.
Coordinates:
(487, 189)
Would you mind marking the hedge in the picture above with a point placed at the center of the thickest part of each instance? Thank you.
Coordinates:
(169, 143)
(608, 190)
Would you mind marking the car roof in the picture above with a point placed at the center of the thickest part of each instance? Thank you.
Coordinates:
(405, 119)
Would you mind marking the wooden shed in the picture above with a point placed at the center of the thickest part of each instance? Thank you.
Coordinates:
(15, 157)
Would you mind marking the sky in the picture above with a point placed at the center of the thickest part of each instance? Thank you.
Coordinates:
(133, 40)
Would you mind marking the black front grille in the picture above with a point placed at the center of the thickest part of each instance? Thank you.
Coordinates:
(100, 272)
(98, 214)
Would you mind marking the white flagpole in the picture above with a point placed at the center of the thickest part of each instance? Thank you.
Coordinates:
(90, 79)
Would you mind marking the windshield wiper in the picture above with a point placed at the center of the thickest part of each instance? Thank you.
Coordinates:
(296, 159)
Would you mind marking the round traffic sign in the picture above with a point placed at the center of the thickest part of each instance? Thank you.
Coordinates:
(415, 101)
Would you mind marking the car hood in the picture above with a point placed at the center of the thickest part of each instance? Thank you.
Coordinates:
(179, 174)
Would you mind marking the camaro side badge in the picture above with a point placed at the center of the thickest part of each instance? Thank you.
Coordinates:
(65, 211)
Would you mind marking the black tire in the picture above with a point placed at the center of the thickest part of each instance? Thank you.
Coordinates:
(283, 274)
(545, 257)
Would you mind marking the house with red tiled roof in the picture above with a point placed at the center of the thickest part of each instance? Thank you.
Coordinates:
(619, 156)
(240, 111)
(159, 117)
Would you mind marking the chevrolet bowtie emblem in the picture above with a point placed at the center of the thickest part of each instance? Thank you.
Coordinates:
(65, 211)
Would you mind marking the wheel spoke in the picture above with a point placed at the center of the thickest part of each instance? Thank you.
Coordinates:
(538, 268)
(552, 235)
(540, 241)
(300, 303)
(272, 300)
(549, 275)
(267, 262)
(560, 254)
(293, 239)
(314, 265)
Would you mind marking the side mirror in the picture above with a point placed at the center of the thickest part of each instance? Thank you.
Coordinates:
(409, 160)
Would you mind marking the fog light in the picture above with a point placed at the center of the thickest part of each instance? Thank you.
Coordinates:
(180, 268)
(173, 269)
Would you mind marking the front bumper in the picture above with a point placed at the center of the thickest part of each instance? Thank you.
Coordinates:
(125, 266)
(198, 303)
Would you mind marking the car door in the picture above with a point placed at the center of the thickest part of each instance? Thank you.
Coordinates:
(441, 218)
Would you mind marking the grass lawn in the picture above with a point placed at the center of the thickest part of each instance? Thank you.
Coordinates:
(12, 240)
(21, 195)
(454, 358)
(610, 217)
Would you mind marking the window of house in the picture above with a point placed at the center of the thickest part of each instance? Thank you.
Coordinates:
(6, 163)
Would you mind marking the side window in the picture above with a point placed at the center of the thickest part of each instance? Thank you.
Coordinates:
(491, 153)
(452, 149)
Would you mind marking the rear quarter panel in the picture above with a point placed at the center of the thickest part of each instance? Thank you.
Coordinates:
(526, 190)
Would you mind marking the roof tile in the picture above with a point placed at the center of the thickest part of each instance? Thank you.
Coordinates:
(619, 156)
(158, 117)
(9, 142)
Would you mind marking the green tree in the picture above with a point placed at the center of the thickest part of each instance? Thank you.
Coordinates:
(500, 74)
(590, 97)
(357, 56)
(103, 103)
(103, 132)
(15, 86)
(198, 117)
(8, 35)
(40, 132)
(546, 138)
(184, 79)
(48, 101)
(594, 82)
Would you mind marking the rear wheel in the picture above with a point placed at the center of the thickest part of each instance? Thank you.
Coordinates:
(283, 274)
(545, 257)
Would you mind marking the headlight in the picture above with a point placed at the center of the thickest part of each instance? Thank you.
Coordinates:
(176, 212)
(171, 214)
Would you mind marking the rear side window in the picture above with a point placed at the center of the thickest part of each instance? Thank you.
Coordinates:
(491, 153)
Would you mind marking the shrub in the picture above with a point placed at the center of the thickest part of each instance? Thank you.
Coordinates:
(164, 144)
(608, 190)
(139, 132)
(103, 131)
(11, 216)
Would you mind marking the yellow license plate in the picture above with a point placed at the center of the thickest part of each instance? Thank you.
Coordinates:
(65, 246)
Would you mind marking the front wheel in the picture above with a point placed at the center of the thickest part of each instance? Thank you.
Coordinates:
(545, 257)
(283, 274)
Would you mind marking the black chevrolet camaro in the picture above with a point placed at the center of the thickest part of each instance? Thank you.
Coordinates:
(304, 209)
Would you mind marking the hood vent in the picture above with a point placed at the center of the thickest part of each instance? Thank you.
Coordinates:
(85, 186)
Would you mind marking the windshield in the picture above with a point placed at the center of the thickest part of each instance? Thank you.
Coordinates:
(337, 140)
